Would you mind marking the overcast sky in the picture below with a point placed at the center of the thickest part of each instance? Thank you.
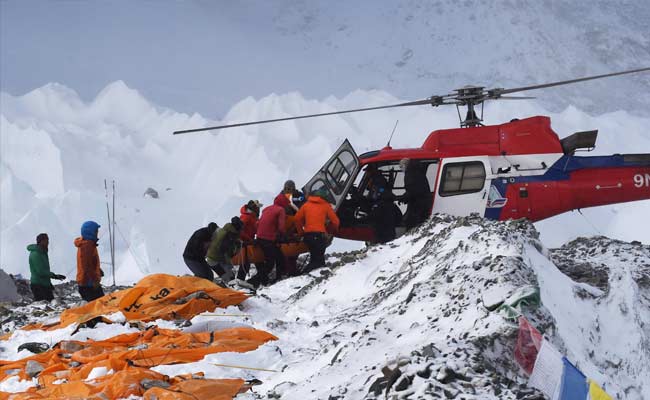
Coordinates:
(205, 56)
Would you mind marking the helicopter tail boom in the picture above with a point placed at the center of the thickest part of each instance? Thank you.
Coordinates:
(578, 182)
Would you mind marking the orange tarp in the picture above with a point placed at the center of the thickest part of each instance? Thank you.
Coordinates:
(213, 389)
(252, 254)
(157, 296)
(125, 383)
(149, 348)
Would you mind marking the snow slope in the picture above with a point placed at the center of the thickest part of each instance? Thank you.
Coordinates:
(56, 150)
(410, 319)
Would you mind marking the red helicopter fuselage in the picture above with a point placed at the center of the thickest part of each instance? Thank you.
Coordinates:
(519, 169)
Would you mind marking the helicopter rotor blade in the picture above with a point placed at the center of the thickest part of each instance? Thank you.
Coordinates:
(514, 98)
(430, 101)
(499, 92)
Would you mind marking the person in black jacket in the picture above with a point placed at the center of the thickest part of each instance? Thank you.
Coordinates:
(196, 250)
(417, 194)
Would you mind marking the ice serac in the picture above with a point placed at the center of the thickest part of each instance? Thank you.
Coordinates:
(57, 150)
(421, 318)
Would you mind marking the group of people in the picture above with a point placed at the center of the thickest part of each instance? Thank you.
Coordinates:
(89, 273)
(291, 217)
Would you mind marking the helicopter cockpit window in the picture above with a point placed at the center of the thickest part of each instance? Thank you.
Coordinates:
(462, 178)
(339, 171)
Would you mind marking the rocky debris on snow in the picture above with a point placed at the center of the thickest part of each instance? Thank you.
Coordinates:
(8, 290)
(26, 311)
(34, 347)
(33, 368)
(151, 193)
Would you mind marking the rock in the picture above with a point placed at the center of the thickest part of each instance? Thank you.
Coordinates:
(70, 347)
(33, 368)
(403, 383)
(150, 383)
(8, 290)
(34, 347)
(151, 193)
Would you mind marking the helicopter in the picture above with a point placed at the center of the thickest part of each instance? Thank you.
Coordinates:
(517, 169)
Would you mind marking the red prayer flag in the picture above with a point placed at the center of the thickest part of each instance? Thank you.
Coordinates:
(529, 341)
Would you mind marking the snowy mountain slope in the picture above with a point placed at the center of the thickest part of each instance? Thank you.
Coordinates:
(419, 304)
(57, 149)
(416, 318)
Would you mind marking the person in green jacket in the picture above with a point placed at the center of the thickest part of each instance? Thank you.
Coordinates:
(223, 247)
(39, 267)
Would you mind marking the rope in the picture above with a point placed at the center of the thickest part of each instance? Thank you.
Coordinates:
(128, 246)
(227, 315)
(241, 367)
(589, 222)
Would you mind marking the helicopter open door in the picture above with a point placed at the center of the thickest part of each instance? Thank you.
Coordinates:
(463, 186)
(337, 175)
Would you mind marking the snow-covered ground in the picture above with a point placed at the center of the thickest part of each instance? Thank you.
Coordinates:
(420, 305)
(56, 151)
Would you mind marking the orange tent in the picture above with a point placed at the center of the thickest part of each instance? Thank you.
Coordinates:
(129, 382)
(157, 296)
(74, 360)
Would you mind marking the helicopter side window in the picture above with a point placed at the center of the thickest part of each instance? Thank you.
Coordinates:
(339, 171)
(462, 178)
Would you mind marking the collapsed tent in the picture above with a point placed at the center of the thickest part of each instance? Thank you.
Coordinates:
(74, 360)
(118, 367)
(137, 382)
(157, 296)
(66, 371)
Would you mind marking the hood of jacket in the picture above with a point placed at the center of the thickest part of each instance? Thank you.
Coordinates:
(316, 199)
(281, 200)
(80, 241)
(35, 247)
(89, 230)
(229, 228)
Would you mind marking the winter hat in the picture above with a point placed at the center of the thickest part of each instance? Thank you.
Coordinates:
(212, 227)
(89, 230)
(322, 193)
(289, 185)
(236, 223)
(281, 200)
(254, 206)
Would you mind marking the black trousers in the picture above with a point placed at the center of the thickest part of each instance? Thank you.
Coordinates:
(199, 268)
(90, 293)
(417, 211)
(41, 292)
(317, 243)
(272, 257)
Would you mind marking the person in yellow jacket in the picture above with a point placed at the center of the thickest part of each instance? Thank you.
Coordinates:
(314, 219)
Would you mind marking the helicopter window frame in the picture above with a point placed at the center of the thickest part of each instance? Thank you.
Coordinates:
(444, 191)
(337, 173)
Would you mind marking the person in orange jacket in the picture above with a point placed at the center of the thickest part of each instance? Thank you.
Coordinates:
(312, 223)
(89, 274)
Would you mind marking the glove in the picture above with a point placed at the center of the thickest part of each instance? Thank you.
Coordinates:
(58, 277)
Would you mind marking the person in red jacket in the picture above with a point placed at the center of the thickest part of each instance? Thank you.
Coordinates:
(312, 222)
(250, 213)
(270, 229)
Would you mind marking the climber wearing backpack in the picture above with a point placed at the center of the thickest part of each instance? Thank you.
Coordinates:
(313, 220)
(223, 247)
